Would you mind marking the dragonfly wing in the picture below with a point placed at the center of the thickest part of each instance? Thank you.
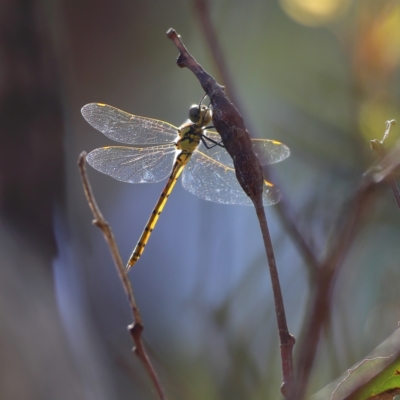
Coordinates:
(134, 164)
(126, 128)
(218, 153)
(270, 151)
(213, 181)
(267, 151)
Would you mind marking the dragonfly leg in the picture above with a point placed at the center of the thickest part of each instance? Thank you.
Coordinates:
(214, 142)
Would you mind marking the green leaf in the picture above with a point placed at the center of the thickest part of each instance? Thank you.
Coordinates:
(375, 377)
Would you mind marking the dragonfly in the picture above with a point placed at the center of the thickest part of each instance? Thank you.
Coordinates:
(159, 150)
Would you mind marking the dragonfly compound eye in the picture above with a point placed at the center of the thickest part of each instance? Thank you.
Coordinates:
(194, 113)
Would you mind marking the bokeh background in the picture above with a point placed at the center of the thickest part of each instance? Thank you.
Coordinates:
(320, 76)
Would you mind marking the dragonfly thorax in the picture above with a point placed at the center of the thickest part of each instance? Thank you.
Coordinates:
(190, 133)
(200, 114)
(189, 136)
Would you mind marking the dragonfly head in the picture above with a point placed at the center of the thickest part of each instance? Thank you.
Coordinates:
(200, 114)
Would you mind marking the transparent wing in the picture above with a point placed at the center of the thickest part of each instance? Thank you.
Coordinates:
(126, 128)
(267, 151)
(213, 181)
(134, 164)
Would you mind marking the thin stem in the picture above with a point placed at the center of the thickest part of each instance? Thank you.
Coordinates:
(286, 340)
(137, 327)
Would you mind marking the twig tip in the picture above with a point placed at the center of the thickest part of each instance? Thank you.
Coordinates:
(82, 158)
(171, 32)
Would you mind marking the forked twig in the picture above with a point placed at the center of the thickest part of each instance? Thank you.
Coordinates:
(229, 124)
(342, 238)
(136, 327)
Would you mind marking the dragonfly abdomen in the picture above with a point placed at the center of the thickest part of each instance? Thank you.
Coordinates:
(139, 249)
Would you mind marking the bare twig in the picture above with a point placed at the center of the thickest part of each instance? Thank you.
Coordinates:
(379, 147)
(287, 340)
(229, 124)
(136, 328)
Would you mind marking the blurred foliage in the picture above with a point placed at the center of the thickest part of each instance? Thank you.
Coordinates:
(375, 375)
